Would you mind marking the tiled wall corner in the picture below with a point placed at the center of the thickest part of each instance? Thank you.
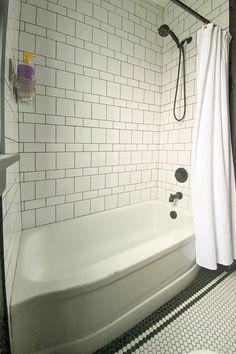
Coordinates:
(90, 142)
(11, 195)
(102, 133)
(176, 137)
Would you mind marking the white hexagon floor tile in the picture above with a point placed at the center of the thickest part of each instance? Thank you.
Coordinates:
(201, 318)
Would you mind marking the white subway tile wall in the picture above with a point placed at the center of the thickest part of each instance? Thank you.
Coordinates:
(102, 133)
(91, 141)
(175, 143)
(11, 195)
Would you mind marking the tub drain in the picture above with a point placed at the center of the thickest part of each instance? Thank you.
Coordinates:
(173, 214)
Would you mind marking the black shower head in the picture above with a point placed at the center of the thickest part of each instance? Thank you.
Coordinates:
(164, 31)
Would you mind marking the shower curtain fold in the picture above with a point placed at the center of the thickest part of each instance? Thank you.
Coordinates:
(213, 180)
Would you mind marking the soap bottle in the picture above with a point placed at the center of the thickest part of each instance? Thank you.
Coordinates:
(25, 80)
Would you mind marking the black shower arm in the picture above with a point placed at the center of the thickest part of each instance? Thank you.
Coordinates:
(191, 11)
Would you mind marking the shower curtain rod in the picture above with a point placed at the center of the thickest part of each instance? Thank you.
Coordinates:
(191, 11)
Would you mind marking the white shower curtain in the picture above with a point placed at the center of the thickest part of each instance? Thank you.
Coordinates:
(213, 182)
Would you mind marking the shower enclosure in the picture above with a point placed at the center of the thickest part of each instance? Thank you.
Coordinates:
(3, 19)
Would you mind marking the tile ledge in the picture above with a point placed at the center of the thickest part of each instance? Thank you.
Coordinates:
(7, 160)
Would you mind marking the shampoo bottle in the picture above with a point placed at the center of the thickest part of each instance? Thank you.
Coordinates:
(25, 81)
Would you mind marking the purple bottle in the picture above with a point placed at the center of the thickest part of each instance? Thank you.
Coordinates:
(25, 81)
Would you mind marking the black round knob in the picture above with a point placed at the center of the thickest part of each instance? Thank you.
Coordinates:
(173, 214)
(181, 175)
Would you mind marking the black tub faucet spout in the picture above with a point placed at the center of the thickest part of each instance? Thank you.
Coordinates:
(172, 197)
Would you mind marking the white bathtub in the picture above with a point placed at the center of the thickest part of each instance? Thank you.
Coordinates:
(81, 283)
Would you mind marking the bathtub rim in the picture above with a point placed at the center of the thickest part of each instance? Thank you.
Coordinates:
(19, 305)
(110, 211)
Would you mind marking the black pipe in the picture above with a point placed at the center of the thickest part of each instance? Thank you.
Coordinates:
(191, 11)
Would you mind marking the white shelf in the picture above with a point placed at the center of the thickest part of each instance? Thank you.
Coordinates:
(6, 160)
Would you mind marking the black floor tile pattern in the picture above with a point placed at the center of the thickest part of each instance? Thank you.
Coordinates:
(202, 316)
